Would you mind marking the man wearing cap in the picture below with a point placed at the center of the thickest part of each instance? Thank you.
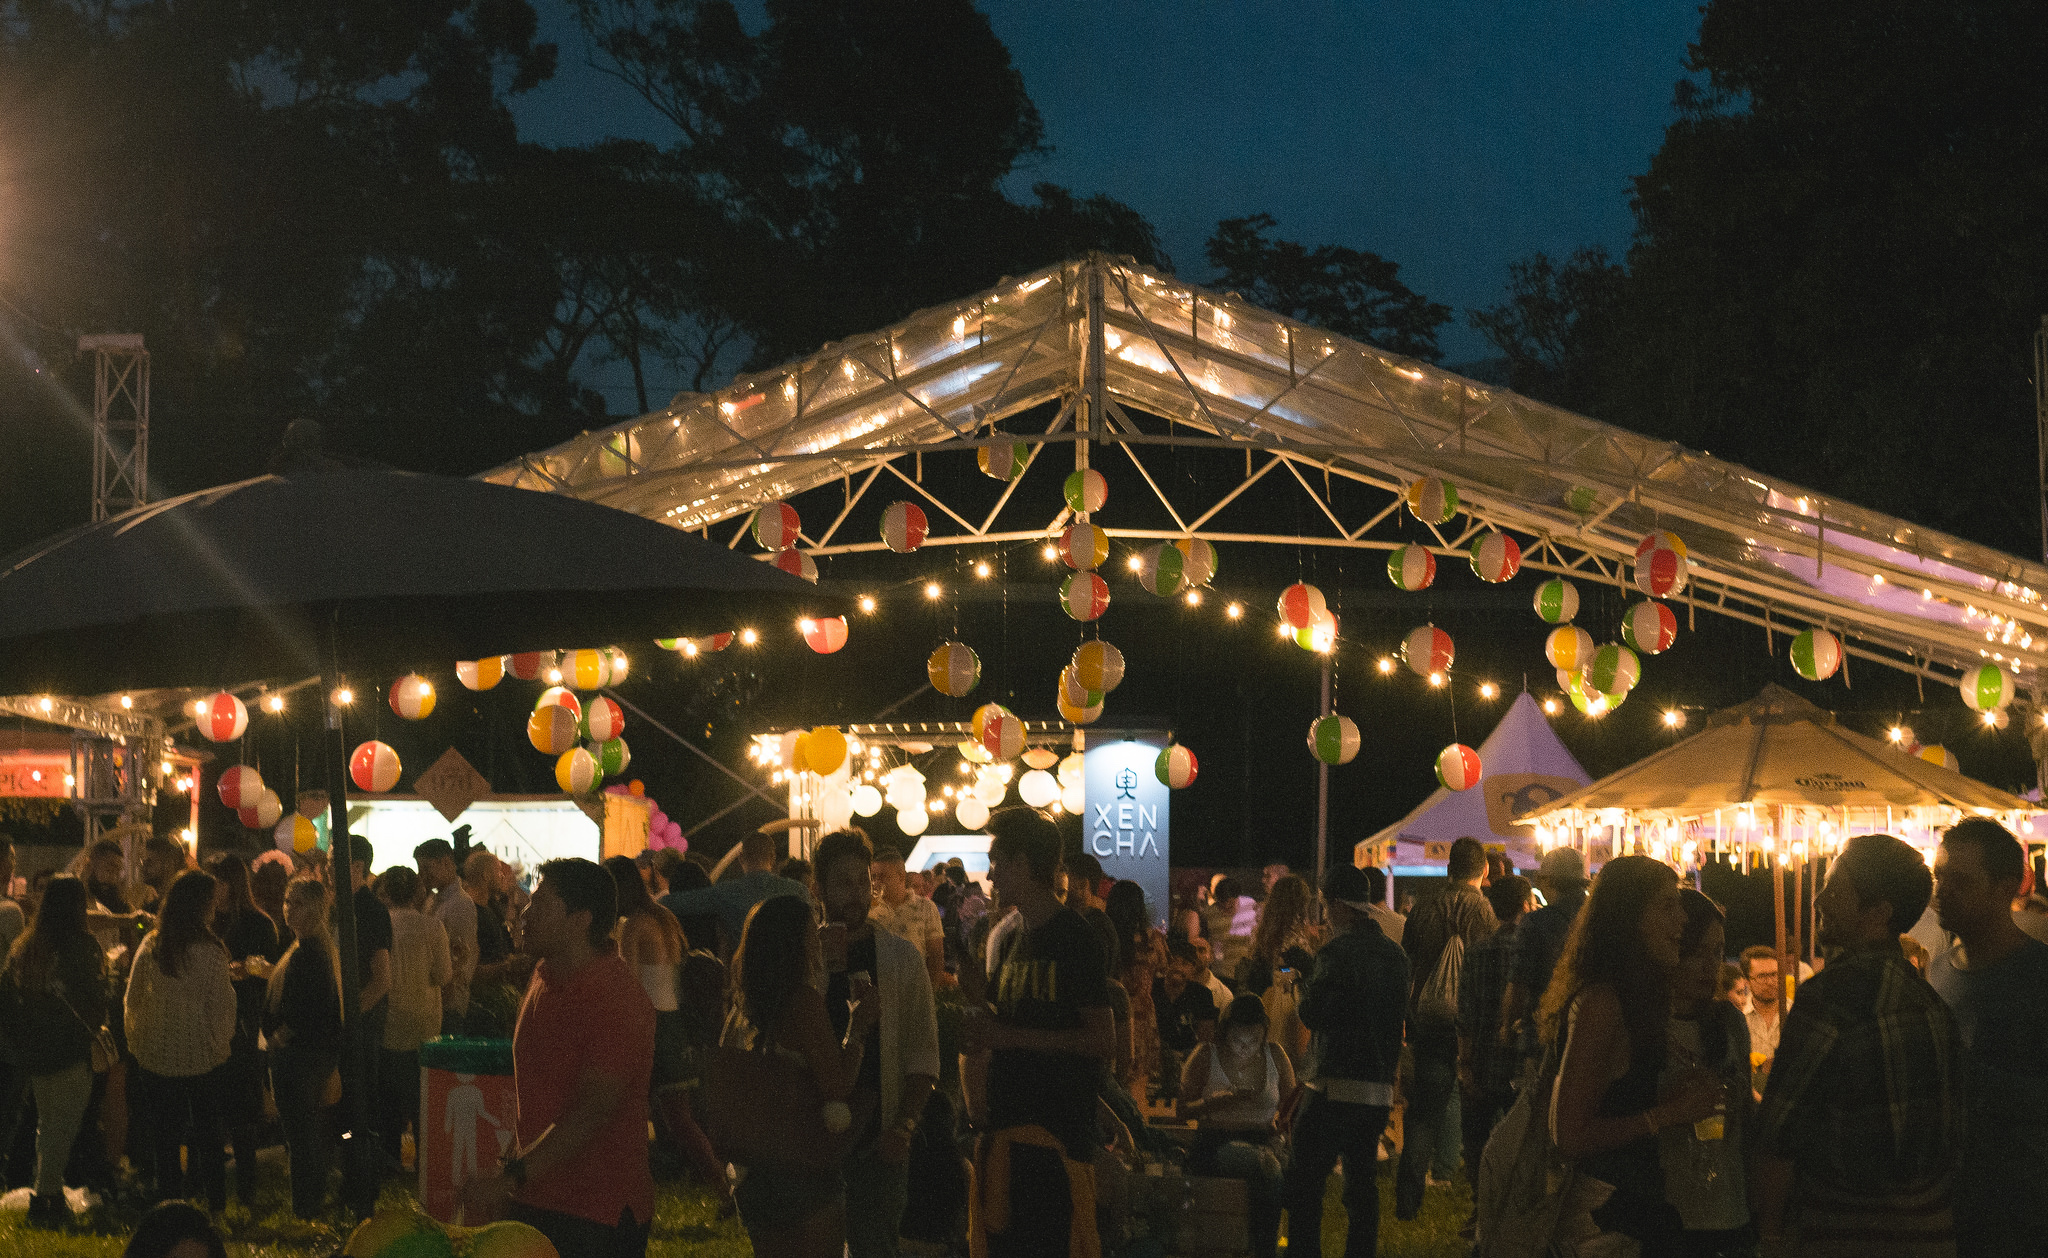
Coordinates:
(457, 912)
(1355, 1007)
(1539, 937)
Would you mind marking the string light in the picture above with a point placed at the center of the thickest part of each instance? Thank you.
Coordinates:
(1488, 690)
(932, 590)
(1386, 664)
(554, 676)
(1673, 719)
(867, 603)
(1234, 611)
(1550, 707)
(982, 569)
(275, 703)
(1135, 562)
(1194, 598)
(1050, 552)
(806, 626)
(343, 696)
(127, 701)
(748, 637)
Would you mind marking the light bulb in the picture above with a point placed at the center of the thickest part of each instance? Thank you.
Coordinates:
(932, 590)
(1234, 611)
(867, 603)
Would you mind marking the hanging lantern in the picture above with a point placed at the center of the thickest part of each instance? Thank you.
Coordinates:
(1197, 562)
(1003, 737)
(866, 800)
(576, 772)
(1660, 565)
(602, 720)
(264, 813)
(1985, 688)
(373, 767)
(1300, 604)
(1432, 500)
(1496, 557)
(620, 664)
(715, 642)
(1159, 570)
(1816, 654)
(560, 697)
(824, 750)
(1649, 627)
(1003, 460)
(912, 821)
(1427, 650)
(1073, 770)
(551, 729)
(904, 526)
(954, 669)
(240, 787)
(776, 526)
(797, 564)
(1942, 756)
(1411, 567)
(971, 813)
(412, 697)
(480, 674)
(530, 665)
(612, 755)
(1457, 767)
(985, 716)
(1321, 634)
(1040, 758)
(1074, 799)
(1084, 596)
(971, 750)
(1333, 739)
(1075, 715)
(296, 834)
(1037, 789)
(825, 636)
(1581, 500)
(1086, 491)
(1176, 767)
(1557, 601)
(1569, 648)
(1614, 669)
(1073, 693)
(1099, 666)
(1083, 546)
(222, 718)
(587, 669)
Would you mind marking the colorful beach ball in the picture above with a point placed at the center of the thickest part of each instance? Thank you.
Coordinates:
(1176, 767)
(954, 669)
(240, 787)
(222, 718)
(551, 729)
(1660, 564)
(1457, 767)
(1159, 570)
(1074, 715)
(1073, 693)
(587, 669)
(603, 719)
(480, 674)
(1084, 595)
(1649, 627)
(797, 564)
(824, 750)
(1816, 654)
(984, 716)
(577, 772)
(1300, 604)
(560, 697)
(264, 813)
(904, 526)
(1942, 756)
(620, 664)
(612, 756)
(1099, 665)
(412, 697)
(1321, 633)
(1569, 648)
(1411, 567)
(1083, 546)
(1432, 500)
(1589, 701)
(530, 665)
(1003, 737)
(1496, 557)
(296, 834)
(1197, 562)
(776, 526)
(373, 767)
(825, 634)
(1086, 491)
(1614, 669)
(1427, 650)
(1003, 460)
(1557, 601)
(1986, 688)
(1333, 739)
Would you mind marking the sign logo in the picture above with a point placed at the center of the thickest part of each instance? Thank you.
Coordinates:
(1827, 782)
(1126, 824)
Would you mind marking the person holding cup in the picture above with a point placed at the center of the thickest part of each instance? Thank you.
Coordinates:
(1703, 1165)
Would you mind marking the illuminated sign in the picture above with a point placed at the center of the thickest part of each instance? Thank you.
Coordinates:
(34, 775)
(1126, 821)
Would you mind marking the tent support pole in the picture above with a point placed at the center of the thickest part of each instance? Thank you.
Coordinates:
(1323, 791)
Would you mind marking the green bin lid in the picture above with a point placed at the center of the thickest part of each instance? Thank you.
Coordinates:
(466, 1055)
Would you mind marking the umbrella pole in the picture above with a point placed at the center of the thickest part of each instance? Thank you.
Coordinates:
(358, 1150)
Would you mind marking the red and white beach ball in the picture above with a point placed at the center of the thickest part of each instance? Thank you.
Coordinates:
(1568, 648)
(1083, 546)
(551, 729)
(1650, 627)
(1496, 557)
(1197, 562)
(1086, 491)
(1427, 650)
(904, 526)
(954, 669)
(1660, 564)
(530, 665)
(374, 767)
(797, 564)
(577, 773)
(603, 719)
(240, 787)
(1002, 735)
(825, 634)
(984, 716)
(412, 697)
(1099, 665)
(480, 674)
(1300, 605)
(1176, 767)
(223, 718)
(776, 526)
(1411, 567)
(1432, 500)
(1457, 767)
(264, 813)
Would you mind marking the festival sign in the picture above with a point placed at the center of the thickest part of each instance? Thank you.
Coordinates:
(1127, 822)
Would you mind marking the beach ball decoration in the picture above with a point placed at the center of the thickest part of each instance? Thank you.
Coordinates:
(1986, 688)
(530, 665)
(1086, 491)
(714, 642)
(1816, 654)
(1159, 570)
(560, 697)
(1037, 789)
(1649, 627)
(551, 729)
(904, 527)
(1582, 500)
(825, 634)
(1614, 669)
(1411, 567)
(776, 526)
(1942, 756)
(1432, 500)
(1457, 767)
(1660, 564)
(240, 787)
(1557, 601)
(1333, 739)
(1176, 767)
(373, 767)
(1588, 701)
(824, 750)
(1321, 633)
(612, 756)
(296, 834)
(1079, 714)
(797, 564)
(620, 664)
(954, 669)
(1569, 648)
(264, 813)
(222, 718)
(1003, 460)
(412, 697)
(587, 669)
(1073, 693)
(1083, 546)
(603, 720)
(576, 772)
(1099, 666)
(985, 716)
(1197, 562)
(1003, 737)
(1084, 596)
(1496, 557)
(480, 674)
(1427, 650)
(1300, 604)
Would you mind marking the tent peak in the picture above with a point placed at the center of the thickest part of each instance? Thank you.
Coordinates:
(1773, 705)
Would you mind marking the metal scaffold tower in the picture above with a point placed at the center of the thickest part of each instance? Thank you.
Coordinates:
(120, 422)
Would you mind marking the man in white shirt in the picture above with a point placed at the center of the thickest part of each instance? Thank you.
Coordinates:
(457, 913)
(1219, 991)
(905, 915)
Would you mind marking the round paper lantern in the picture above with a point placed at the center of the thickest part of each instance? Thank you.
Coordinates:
(587, 669)
(1197, 562)
(1557, 601)
(603, 720)
(1321, 634)
(1411, 567)
(1084, 596)
(1427, 650)
(971, 750)
(1432, 500)
(797, 564)
(530, 665)
(412, 697)
(1083, 546)
(776, 526)
(551, 729)
(866, 800)
(1816, 654)
(620, 664)
(1159, 570)
(480, 674)
(1099, 666)
(1649, 627)
(904, 526)
(1942, 756)
(1496, 557)
(1074, 715)
(1613, 669)
(827, 635)
(1073, 693)
(954, 669)
(1457, 767)
(990, 788)
(1040, 758)
(577, 773)
(240, 787)
(1073, 768)
(223, 718)
(1003, 736)
(1986, 688)
(1660, 564)
(971, 813)
(1569, 648)
(1086, 491)
(1333, 739)
(560, 697)
(612, 756)
(1038, 788)
(1074, 799)
(824, 750)
(1176, 767)
(1300, 604)
(1003, 460)
(264, 813)
(912, 821)
(296, 834)
(373, 767)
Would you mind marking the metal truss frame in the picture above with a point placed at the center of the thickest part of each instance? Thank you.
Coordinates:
(120, 422)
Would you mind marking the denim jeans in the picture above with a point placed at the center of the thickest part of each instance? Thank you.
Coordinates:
(61, 1098)
(1324, 1131)
(876, 1194)
(298, 1077)
(1436, 1079)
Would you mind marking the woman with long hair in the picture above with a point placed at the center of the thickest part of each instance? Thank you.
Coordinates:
(58, 978)
(251, 940)
(1141, 955)
(1232, 1087)
(180, 1014)
(1703, 1170)
(791, 1211)
(1604, 1021)
(302, 1021)
(1282, 954)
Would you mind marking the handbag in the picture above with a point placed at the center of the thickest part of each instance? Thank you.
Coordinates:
(758, 1106)
(102, 1052)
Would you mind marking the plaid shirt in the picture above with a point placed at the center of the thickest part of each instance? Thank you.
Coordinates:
(1481, 989)
(1862, 1097)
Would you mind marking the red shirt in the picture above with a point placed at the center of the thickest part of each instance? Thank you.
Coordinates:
(598, 1019)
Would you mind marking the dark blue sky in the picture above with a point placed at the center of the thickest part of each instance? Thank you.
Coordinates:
(1451, 136)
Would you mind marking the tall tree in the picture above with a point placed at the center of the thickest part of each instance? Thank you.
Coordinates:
(1348, 291)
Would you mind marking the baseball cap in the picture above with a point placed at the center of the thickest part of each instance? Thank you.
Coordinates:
(1346, 885)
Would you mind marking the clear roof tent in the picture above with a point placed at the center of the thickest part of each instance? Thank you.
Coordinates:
(1119, 349)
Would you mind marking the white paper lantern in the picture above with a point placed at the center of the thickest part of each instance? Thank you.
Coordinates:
(1072, 768)
(867, 801)
(990, 789)
(912, 821)
(1038, 788)
(1074, 799)
(971, 813)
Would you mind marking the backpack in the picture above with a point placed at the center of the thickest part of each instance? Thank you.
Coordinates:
(1438, 1002)
(1528, 1200)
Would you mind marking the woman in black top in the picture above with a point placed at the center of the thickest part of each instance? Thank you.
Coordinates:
(57, 977)
(249, 934)
(302, 1020)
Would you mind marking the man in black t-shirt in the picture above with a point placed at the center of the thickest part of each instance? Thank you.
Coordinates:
(1184, 1010)
(1044, 1033)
